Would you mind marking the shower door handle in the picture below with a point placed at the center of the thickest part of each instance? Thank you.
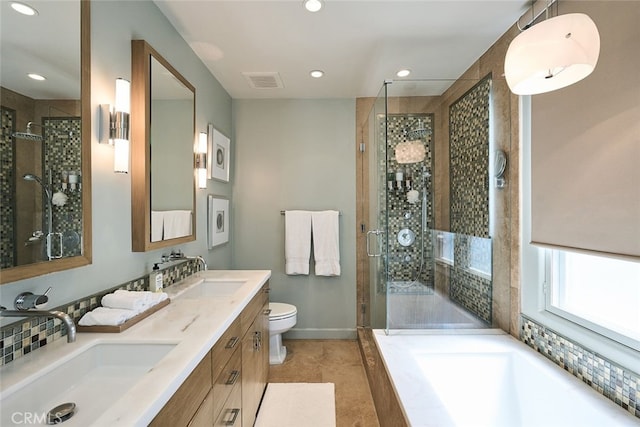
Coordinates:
(377, 233)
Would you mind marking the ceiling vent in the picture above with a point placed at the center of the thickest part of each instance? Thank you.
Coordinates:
(261, 80)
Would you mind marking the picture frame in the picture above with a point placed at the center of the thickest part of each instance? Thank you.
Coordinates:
(217, 220)
(218, 154)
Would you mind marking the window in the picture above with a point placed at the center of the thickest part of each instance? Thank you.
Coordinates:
(444, 247)
(480, 256)
(602, 294)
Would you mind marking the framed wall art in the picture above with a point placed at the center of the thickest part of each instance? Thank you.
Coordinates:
(217, 221)
(219, 155)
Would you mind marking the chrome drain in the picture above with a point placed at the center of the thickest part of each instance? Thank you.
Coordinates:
(61, 413)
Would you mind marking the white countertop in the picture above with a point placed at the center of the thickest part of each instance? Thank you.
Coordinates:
(194, 325)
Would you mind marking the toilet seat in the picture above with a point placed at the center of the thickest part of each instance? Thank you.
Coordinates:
(281, 311)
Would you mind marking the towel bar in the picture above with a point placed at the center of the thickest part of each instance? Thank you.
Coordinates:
(282, 212)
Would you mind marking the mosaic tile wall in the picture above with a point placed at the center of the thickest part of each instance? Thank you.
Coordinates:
(63, 152)
(616, 383)
(25, 336)
(470, 284)
(7, 209)
(404, 261)
(469, 161)
(469, 197)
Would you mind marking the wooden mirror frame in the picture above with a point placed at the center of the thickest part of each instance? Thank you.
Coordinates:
(141, 54)
(13, 274)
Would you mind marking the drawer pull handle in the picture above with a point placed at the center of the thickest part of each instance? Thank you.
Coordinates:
(266, 290)
(234, 415)
(266, 312)
(232, 342)
(233, 377)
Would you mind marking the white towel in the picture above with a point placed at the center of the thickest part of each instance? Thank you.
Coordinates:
(326, 241)
(157, 225)
(177, 224)
(105, 316)
(130, 300)
(138, 300)
(297, 241)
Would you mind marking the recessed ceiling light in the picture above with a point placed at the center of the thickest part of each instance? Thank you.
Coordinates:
(403, 73)
(35, 76)
(24, 9)
(317, 74)
(313, 5)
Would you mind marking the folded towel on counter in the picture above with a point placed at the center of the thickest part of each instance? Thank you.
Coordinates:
(326, 242)
(297, 241)
(130, 300)
(105, 316)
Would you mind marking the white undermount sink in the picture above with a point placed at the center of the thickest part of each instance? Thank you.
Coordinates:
(93, 379)
(211, 288)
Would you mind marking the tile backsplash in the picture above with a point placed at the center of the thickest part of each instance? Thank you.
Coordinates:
(616, 383)
(27, 335)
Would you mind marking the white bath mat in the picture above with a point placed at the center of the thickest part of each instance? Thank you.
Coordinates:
(298, 405)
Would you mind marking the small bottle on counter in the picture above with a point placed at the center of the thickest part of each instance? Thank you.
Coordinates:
(155, 279)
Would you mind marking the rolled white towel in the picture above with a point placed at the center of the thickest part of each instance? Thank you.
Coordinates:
(104, 316)
(130, 300)
(155, 298)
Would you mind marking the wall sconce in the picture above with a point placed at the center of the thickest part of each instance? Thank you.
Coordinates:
(114, 125)
(553, 54)
(201, 160)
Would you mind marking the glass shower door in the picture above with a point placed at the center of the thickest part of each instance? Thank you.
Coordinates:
(376, 235)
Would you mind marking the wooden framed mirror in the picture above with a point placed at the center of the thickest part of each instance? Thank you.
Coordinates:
(162, 152)
(46, 151)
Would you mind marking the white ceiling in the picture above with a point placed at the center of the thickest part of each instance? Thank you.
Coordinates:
(47, 43)
(357, 43)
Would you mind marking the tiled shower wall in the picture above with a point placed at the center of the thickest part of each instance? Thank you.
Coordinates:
(616, 383)
(63, 152)
(7, 208)
(469, 194)
(407, 263)
(24, 336)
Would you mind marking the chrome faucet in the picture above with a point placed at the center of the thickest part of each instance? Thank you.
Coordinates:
(27, 300)
(180, 255)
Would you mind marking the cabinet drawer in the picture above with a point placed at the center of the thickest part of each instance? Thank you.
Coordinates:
(254, 307)
(224, 348)
(204, 416)
(185, 402)
(226, 381)
(231, 414)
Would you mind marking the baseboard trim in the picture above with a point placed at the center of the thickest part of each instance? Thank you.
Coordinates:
(320, 334)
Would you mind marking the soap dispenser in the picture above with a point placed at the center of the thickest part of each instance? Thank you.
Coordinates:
(155, 279)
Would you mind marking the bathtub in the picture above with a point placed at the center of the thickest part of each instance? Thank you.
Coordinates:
(487, 378)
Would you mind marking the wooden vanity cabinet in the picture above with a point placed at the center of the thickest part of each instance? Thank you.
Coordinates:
(226, 388)
(187, 400)
(255, 354)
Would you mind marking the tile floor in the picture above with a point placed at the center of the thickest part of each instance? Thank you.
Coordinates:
(335, 361)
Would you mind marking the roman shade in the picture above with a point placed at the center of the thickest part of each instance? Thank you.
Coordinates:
(585, 146)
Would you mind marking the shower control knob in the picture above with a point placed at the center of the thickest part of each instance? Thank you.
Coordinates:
(406, 237)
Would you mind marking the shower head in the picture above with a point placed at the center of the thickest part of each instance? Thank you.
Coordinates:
(419, 132)
(32, 177)
(27, 136)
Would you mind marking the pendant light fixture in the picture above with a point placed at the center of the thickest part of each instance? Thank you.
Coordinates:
(553, 54)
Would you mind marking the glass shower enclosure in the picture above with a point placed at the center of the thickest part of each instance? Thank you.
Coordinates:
(428, 243)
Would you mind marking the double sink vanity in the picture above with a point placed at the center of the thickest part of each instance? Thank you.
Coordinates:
(201, 360)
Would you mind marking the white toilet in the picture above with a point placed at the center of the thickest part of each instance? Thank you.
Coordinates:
(282, 318)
